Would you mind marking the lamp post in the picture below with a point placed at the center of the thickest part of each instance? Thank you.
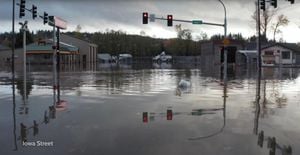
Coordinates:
(225, 36)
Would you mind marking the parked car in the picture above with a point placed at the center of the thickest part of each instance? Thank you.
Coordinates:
(162, 57)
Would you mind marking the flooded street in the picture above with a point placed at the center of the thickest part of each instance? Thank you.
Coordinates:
(140, 109)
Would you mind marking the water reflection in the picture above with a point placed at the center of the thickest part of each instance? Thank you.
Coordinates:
(49, 114)
(170, 114)
(272, 143)
(14, 110)
(213, 110)
(101, 98)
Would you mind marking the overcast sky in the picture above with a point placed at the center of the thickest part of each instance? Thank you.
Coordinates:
(126, 15)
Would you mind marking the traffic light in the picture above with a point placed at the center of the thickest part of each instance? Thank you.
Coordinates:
(45, 18)
(263, 5)
(274, 3)
(292, 1)
(145, 18)
(34, 11)
(169, 114)
(22, 8)
(145, 117)
(170, 20)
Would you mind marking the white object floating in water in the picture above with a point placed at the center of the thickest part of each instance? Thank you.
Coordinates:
(184, 84)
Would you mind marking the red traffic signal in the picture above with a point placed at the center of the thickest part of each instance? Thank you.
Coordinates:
(169, 114)
(145, 18)
(170, 20)
(145, 117)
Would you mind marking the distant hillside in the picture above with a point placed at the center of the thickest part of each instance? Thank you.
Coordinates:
(116, 42)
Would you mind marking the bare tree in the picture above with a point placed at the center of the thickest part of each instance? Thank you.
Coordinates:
(281, 21)
(202, 36)
(265, 19)
(183, 33)
(78, 28)
(142, 33)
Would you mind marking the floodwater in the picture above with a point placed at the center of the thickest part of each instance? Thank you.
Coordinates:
(140, 110)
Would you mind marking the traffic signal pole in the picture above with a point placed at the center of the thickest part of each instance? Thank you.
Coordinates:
(258, 52)
(58, 65)
(54, 66)
(225, 48)
(24, 29)
(13, 41)
(190, 21)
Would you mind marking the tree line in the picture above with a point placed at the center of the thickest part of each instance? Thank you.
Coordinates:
(117, 42)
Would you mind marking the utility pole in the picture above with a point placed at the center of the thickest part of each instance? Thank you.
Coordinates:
(258, 52)
(13, 41)
(58, 64)
(54, 66)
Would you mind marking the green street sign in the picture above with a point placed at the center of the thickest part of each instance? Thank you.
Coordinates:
(197, 21)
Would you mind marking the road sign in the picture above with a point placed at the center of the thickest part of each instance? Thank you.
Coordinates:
(57, 22)
(152, 17)
(226, 41)
(197, 21)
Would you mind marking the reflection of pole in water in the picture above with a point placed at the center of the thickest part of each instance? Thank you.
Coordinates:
(14, 110)
(257, 104)
(224, 116)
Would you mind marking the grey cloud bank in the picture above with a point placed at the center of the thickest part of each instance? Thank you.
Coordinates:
(98, 15)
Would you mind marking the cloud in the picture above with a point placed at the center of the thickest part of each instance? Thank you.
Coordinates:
(99, 15)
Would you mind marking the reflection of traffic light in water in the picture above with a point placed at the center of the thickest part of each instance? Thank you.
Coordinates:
(35, 128)
(23, 133)
(169, 114)
(145, 117)
(272, 145)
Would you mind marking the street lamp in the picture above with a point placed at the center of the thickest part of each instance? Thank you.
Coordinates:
(225, 36)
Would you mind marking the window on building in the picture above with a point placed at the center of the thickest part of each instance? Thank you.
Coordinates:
(269, 53)
(286, 55)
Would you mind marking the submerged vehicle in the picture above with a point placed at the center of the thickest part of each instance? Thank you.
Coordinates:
(162, 57)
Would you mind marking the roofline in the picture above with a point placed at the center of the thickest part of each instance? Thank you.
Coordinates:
(81, 40)
(280, 44)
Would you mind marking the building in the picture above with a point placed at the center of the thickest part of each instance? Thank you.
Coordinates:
(72, 50)
(42, 53)
(212, 52)
(87, 50)
(247, 57)
(280, 54)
